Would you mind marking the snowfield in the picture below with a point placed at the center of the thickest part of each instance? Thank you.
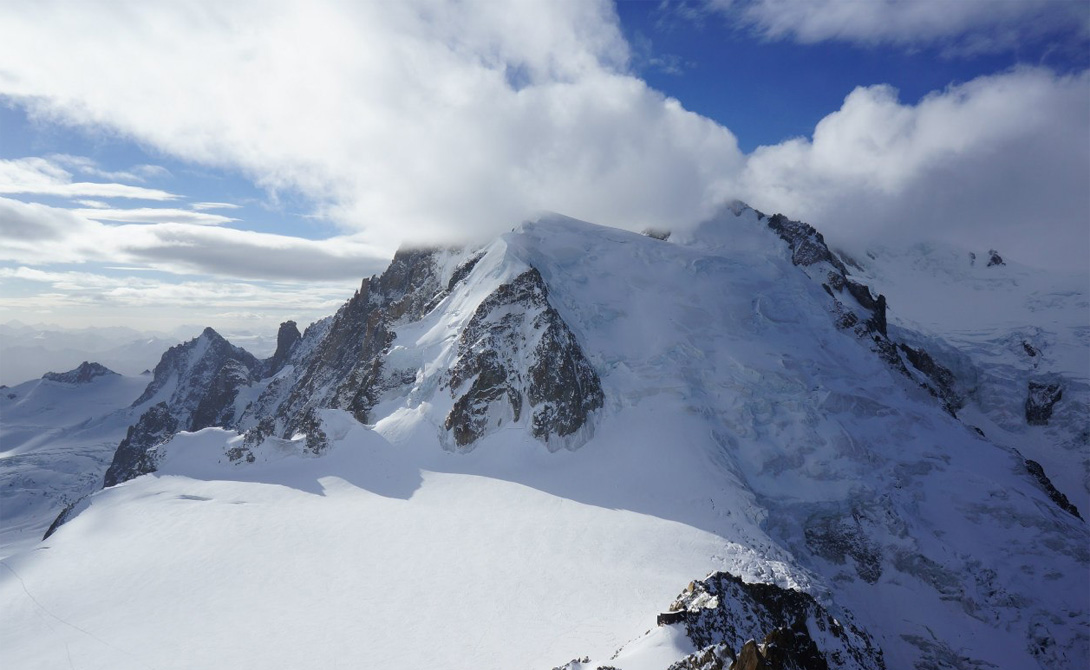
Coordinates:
(742, 431)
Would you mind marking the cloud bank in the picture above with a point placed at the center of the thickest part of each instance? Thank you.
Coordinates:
(436, 121)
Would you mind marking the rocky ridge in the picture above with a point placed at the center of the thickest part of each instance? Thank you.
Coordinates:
(85, 373)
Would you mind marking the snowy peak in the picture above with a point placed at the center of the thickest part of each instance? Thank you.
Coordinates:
(85, 373)
(199, 380)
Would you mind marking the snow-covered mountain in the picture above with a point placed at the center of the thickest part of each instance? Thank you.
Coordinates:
(580, 443)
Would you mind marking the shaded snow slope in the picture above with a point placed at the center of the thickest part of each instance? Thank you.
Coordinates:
(1002, 328)
(744, 427)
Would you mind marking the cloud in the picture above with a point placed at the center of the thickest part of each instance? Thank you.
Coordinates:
(154, 215)
(36, 234)
(426, 121)
(960, 27)
(416, 120)
(39, 176)
(89, 288)
(88, 166)
(200, 206)
(1003, 157)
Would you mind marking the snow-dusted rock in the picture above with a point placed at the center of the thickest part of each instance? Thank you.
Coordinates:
(516, 346)
(80, 375)
(1040, 400)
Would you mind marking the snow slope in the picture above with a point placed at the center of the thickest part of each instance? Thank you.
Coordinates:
(56, 440)
(984, 317)
(742, 431)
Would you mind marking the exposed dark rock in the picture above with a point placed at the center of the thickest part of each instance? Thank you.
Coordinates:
(286, 338)
(837, 538)
(943, 382)
(66, 514)
(994, 258)
(216, 406)
(462, 271)
(657, 234)
(345, 369)
(1057, 497)
(317, 441)
(560, 385)
(669, 618)
(876, 306)
(807, 244)
(808, 248)
(1030, 350)
(1040, 401)
(715, 657)
(722, 613)
(972, 258)
(83, 374)
(134, 455)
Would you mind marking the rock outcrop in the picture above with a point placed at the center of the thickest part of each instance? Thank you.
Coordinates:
(517, 348)
(1040, 400)
(134, 456)
(345, 368)
(287, 337)
(723, 617)
(84, 374)
(1038, 472)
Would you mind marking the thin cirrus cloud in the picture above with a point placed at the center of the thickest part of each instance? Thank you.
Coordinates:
(201, 206)
(154, 215)
(963, 27)
(435, 121)
(37, 234)
(39, 176)
(87, 288)
(88, 166)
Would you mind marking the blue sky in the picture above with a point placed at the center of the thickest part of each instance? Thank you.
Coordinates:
(239, 164)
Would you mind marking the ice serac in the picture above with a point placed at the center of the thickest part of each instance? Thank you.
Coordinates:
(516, 346)
(80, 375)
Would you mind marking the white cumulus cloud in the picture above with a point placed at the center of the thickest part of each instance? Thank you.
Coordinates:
(1003, 159)
(417, 119)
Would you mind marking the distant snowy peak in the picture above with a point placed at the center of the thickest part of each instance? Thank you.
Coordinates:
(199, 379)
(84, 374)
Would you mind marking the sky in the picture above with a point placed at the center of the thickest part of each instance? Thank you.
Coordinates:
(239, 164)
